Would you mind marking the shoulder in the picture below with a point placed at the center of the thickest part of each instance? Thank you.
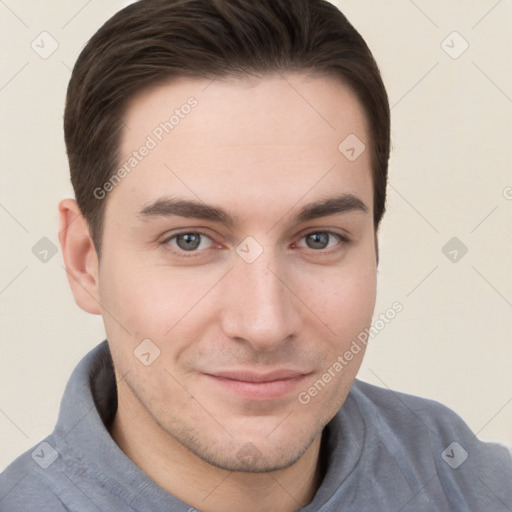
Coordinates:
(402, 412)
(423, 432)
(430, 444)
(28, 483)
(401, 407)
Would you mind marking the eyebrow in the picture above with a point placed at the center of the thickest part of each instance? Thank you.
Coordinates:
(166, 207)
(344, 203)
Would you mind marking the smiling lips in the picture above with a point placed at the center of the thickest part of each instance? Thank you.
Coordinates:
(259, 386)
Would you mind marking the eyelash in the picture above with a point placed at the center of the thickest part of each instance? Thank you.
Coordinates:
(342, 240)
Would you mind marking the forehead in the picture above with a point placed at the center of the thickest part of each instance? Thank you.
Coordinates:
(273, 138)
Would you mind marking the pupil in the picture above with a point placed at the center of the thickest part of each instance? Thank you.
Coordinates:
(188, 241)
(317, 240)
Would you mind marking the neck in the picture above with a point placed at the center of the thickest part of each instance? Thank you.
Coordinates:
(207, 487)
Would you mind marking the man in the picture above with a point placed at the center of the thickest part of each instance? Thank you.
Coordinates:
(229, 160)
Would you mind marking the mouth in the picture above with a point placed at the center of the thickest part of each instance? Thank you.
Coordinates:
(258, 386)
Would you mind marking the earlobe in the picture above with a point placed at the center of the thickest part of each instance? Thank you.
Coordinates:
(80, 256)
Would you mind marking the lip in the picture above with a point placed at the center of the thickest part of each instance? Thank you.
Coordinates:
(258, 386)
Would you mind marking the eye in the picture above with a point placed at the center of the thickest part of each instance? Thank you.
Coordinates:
(190, 241)
(321, 240)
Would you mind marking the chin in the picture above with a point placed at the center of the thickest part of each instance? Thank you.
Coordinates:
(251, 454)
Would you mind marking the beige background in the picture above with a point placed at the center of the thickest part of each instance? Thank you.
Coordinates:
(450, 176)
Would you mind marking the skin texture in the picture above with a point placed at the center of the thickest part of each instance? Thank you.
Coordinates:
(260, 149)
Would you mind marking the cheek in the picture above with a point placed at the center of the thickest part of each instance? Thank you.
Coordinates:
(356, 299)
(151, 301)
(345, 304)
(128, 294)
(344, 299)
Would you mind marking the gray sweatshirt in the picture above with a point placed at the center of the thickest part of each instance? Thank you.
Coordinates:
(383, 451)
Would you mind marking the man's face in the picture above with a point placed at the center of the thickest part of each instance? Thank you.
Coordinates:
(252, 294)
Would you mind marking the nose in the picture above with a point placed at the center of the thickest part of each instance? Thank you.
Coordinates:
(259, 305)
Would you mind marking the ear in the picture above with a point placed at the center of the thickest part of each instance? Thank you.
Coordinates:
(79, 255)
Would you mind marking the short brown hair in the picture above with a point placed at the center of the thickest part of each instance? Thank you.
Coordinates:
(155, 40)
